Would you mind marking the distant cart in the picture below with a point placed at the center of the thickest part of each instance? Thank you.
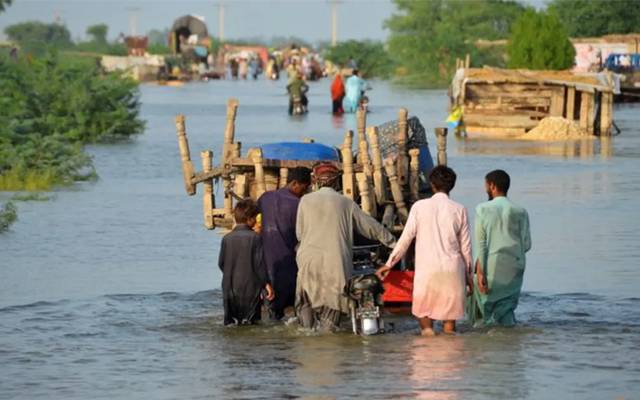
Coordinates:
(509, 103)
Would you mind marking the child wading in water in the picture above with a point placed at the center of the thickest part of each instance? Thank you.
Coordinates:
(244, 275)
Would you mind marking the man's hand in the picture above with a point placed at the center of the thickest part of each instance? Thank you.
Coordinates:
(270, 294)
(483, 287)
(469, 279)
(383, 271)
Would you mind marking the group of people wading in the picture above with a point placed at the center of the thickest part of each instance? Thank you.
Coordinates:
(346, 95)
(301, 253)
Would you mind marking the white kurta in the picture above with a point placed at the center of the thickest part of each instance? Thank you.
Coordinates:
(443, 256)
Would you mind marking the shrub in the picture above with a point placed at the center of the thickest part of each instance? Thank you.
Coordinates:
(372, 58)
(8, 215)
(539, 41)
(51, 107)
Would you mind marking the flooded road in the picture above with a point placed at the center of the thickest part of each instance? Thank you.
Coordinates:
(110, 290)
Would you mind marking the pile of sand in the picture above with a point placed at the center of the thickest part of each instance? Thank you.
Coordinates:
(556, 128)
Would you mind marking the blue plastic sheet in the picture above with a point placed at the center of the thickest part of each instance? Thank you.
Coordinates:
(299, 152)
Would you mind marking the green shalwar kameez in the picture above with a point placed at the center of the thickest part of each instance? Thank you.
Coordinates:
(502, 237)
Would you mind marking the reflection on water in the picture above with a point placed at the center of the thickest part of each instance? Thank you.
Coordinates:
(584, 149)
(110, 290)
(435, 363)
(319, 365)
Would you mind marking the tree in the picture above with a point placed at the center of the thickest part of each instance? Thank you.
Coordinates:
(540, 41)
(4, 4)
(371, 57)
(159, 37)
(53, 105)
(427, 36)
(98, 33)
(36, 37)
(584, 18)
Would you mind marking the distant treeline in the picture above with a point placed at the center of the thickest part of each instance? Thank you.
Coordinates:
(36, 38)
(426, 37)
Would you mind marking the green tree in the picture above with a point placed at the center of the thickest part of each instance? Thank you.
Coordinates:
(4, 4)
(427, 36)
(35, 37)
(371, 57)
(99, 44)
(584, 18)
(98, 33)
(53, 105)
(540, 41)
(159, 37)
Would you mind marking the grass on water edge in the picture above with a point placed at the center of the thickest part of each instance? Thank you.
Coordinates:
(19, 180)
(30, 181)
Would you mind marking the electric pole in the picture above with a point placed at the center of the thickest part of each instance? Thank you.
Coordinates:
(334, 23)
(221, 21)
(133, 20)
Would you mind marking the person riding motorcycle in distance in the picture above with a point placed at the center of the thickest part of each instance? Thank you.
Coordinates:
(297, 88)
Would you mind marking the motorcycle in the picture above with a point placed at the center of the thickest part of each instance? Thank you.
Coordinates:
(297, 106)
(364, 291)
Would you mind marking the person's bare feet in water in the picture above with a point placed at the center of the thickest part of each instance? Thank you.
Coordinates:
(449, 327)
(427, 332)
(426, 326)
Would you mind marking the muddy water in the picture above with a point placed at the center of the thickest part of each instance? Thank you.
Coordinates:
(110, 290)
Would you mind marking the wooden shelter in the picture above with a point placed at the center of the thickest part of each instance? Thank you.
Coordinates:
(507, 103)
(384, 187)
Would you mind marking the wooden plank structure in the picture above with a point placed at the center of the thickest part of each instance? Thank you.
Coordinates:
(509, 103)
(384, 188)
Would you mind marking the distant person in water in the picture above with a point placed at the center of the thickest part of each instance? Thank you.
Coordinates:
(279, 209)
(233, 67)
(440, 228)
(337, 94)
(502, 238)
(244, 274)
(297, 87)
(354, 90)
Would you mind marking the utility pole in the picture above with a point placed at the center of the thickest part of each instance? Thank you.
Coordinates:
(133, 20)
(221, 21)
(334, 22)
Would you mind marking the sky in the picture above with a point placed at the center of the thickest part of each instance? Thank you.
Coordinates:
(308, 19)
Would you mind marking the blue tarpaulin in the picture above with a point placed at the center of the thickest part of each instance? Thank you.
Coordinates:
(299, 152)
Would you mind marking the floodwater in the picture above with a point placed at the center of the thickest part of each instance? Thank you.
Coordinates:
(110, 289)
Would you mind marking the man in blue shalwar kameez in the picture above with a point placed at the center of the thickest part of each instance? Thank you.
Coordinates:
(354, 88)
(279, 209)
(502, 238)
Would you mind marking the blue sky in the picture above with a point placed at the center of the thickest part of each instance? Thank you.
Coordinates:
(310, 19)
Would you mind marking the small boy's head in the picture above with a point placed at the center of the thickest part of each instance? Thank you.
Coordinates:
(246, 212)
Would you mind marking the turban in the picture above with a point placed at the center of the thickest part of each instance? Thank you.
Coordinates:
(325, 172)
